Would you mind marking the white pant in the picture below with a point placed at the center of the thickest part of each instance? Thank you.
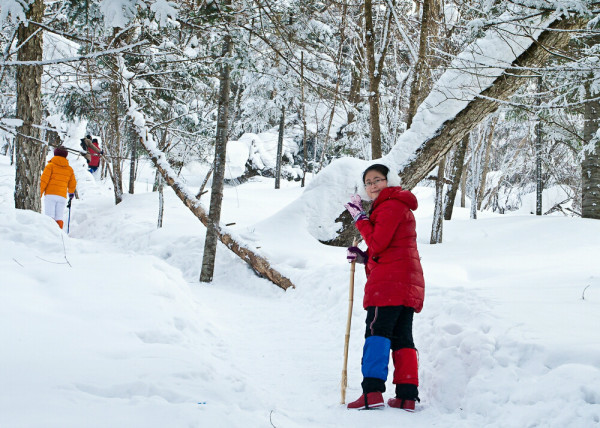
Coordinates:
(54, 206)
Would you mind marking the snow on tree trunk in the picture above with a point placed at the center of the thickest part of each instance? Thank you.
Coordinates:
(438, 220)
(304, 129)
(590, 165)
(475, 173)
(30, 154)
(429, 152)
(161, 202)
(469, 91)
(132, 162)
(486, 161)
(539, 180)
(456, 172)
(216, 196)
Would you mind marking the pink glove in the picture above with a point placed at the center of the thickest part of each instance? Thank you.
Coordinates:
(355, 208)
(357, 255)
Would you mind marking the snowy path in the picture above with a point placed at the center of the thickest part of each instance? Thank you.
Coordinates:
(125, 336)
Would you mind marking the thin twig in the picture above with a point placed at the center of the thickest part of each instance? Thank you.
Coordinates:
(583, 294)
(18, 262)
(270, 420)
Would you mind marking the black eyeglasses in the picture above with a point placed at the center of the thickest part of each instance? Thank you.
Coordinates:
(374, 182)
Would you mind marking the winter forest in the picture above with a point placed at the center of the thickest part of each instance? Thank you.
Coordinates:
(232, 133)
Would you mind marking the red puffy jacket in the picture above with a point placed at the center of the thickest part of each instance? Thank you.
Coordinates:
(394, 273)
(94, 156)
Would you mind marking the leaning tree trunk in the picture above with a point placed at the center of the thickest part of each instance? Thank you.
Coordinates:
(590, 165)
(216, 196)
(451, 132)
(429, 152)
(456, 172)
(30, 154)
(259, 264)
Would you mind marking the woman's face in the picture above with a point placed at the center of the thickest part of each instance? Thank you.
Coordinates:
(375, 182)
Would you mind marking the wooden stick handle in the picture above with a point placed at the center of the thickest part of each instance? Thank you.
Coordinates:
(348, 324)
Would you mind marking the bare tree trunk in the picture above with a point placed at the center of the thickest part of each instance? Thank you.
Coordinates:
(216, 196)
(132, 166)
(438, 217)
(456, 173)
(115, 146)
(421, 83)
(374, 68)
(161, 202)
(486, 161)
(354, 93)
(539, 184)
(279, 149)
(30, 154)
(304, 130)
(590, 165)
(463, 187)
(475, 158)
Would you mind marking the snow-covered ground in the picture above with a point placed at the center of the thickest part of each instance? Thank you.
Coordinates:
(109, 327)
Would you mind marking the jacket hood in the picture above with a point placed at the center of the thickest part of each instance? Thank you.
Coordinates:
(396, 192)
(59, 160)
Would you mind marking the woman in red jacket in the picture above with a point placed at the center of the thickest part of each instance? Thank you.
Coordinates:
(394, 290)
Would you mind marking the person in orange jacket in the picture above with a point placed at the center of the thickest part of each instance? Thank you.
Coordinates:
(58, 178)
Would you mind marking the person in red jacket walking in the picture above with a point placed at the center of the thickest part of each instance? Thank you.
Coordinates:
(93, 152)
(394, 290)
(57, 179)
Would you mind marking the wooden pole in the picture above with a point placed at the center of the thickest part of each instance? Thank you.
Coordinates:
(348, 323)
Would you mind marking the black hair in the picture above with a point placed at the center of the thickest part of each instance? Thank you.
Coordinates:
(377, 167)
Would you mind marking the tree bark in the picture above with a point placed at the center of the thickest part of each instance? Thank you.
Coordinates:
(420, 85)
(304, 129)
(161, 202)
(374, 69)
(486, 161)
(590, 165)
(279, 150)
(216, 196)
(539, 181)
(438, 220)
(132, 166)
(451, 132)
(455, 176)
(30, 154)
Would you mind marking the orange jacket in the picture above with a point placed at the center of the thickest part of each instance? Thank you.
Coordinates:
(57, 178)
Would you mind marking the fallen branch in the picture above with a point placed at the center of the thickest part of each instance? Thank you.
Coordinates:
(259, 264)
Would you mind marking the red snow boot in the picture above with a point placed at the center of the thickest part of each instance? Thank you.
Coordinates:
(400, 403)
(373, 400)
